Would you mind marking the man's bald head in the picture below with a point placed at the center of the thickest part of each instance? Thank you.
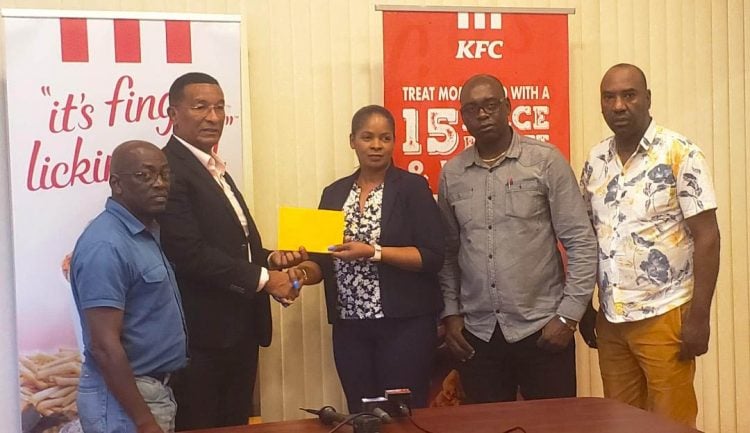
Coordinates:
(139, 178)
(485, 110)
(627, 66)
(625, 102)
(126, 153)
(476, 80)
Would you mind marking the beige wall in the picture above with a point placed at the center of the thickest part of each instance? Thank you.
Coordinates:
(311, 64)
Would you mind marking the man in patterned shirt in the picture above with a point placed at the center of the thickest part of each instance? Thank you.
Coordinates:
(653, 207)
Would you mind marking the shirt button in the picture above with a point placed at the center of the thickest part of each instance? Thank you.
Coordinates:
(489, 197)
(489, 227)
(492, 285)
(490, 255)
(497, 311)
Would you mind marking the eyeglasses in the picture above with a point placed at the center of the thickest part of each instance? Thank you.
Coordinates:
(490, 106)
(204, 109)
(149, 177)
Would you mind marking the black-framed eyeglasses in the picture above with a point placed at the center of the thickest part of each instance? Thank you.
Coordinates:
(149, 177)
(489, 106)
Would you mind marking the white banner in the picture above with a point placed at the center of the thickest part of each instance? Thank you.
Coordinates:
(78, 85)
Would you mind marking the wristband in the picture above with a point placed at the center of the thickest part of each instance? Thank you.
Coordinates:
(378, 253)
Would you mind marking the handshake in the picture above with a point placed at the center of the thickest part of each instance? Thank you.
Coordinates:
(285, 278)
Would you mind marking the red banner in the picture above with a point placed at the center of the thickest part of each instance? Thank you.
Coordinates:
(428, 55)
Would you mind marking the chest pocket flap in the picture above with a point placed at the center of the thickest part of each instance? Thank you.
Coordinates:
(461, 202)
(525, 198)
(156, 274)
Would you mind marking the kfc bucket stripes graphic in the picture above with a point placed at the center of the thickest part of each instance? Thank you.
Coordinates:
(479, 20)
(178, 42)
(127, 41)
(78, 84)
(74, 41)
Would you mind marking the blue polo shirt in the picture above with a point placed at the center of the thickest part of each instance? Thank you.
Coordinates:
(119, 263)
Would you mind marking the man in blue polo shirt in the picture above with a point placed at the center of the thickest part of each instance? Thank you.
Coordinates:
(128, 301)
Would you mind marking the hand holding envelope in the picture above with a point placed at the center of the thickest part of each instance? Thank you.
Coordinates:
(315, 229)
(282, 259)
(352, 250)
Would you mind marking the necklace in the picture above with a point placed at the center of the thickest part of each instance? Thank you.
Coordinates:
(493, 159)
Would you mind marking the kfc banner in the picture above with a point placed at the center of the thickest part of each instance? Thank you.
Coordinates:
(78, 84)
(429, 53)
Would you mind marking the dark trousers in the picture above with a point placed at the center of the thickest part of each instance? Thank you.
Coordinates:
(216, 388)
(378, 354)
(498, 370)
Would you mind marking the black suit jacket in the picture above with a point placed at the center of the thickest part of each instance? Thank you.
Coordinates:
(409, 217)
(202, 236)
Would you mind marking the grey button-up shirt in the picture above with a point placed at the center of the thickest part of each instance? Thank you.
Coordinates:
(502, 263)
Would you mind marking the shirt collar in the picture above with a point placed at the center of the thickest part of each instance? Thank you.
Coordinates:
(133, 224)
(202, 156)
(513, 151)
(217, 164)
(646, 141)
(210, 161)
(649, 135)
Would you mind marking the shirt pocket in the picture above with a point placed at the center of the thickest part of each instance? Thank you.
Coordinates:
(524, 199)
(151, 291)
(462, 205)
(155, 275)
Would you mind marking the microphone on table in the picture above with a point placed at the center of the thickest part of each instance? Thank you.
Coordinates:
(377, 406)
(361, 422)
(401, 400)
(375, 411)
(327, 414)
(395, 404)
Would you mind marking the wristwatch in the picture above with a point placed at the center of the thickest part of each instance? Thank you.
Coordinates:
(378, 253)
(571, 324)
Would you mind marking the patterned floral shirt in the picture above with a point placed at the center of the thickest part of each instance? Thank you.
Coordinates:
(638, 211)
(358, 281)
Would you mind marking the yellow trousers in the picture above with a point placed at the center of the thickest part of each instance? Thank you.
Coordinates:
(640, 365)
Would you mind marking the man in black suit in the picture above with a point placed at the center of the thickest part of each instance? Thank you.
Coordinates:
(224, 273)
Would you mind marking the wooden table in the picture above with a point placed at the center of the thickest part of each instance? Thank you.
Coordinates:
(566, 415)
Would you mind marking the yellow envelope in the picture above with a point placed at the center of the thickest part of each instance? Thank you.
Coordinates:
(314, 229)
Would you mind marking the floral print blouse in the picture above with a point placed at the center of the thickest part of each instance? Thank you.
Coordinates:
(358, 281)
(638, 211)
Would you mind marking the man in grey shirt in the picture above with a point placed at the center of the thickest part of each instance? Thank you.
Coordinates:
(510, 307)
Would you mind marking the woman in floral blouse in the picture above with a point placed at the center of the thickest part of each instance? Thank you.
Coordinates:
(381, 283)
